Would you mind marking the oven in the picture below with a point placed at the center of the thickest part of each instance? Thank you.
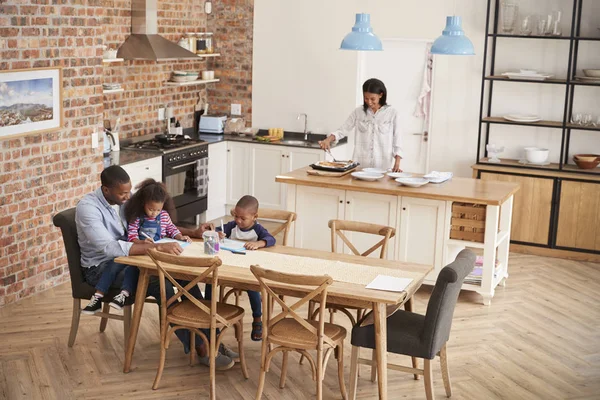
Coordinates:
(185, 173)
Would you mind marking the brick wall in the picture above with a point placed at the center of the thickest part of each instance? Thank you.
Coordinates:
(46, 173)
(232, 23)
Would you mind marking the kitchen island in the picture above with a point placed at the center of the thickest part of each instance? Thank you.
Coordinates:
(423, 219)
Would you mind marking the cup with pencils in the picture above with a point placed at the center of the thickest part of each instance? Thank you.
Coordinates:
(211, 242)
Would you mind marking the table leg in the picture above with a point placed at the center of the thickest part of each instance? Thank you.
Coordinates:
(140, 297)
(379, 314)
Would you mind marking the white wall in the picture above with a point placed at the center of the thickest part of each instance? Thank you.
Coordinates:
(298, 68)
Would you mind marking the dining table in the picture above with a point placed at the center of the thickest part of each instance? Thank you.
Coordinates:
(345, 289)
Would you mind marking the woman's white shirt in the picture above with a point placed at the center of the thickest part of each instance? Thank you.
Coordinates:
(377, 136)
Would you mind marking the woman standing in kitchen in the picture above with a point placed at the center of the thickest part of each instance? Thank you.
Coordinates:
(377, 139)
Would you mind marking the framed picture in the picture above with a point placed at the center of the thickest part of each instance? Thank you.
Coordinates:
(30, 101)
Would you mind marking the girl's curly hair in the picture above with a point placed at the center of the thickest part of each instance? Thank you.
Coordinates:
(149, 190)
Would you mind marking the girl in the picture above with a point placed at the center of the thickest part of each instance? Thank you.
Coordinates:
(148, 214)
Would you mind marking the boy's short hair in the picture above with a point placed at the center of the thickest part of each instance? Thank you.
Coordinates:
(113, 176)
(249, 203)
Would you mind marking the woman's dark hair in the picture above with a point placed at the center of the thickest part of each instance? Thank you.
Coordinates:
(375, 86)
(149, 190)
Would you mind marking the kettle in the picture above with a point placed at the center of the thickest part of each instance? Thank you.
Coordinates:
(111, 138)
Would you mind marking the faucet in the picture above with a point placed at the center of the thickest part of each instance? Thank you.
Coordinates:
(306, 133)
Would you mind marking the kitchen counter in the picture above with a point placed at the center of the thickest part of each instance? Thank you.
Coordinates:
(311, 144)
(456, 189)
(124, 157)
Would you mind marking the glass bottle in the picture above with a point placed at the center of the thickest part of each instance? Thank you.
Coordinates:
(200, 43)
(209, 43)
(191, 37)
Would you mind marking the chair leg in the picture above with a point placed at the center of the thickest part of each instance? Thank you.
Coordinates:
(415, 364)
(240, 338)
(192, 348)
(163, 355)
(445, 371)
(212, 355)
(263, 372)
(126, 325)
(373, 366)
(428, 379)
(74, 321)
(332, 315)
(283, 370)
(319, 374)
(354, 371)
(103, 320)
(237, 297)
(340, 360)
(311, 310)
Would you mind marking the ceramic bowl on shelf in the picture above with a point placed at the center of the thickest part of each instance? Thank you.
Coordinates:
(536, 155)
(592, 73)
(587, 161)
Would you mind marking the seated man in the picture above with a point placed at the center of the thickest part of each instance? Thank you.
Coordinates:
(102, 235)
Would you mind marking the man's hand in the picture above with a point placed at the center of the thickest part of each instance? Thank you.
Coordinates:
(255, 245)
(169, 248)
(147, 240)
(197, 233)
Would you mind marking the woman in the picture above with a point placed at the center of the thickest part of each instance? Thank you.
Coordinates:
(377, 130)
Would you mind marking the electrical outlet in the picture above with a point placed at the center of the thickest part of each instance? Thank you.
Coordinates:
(95, 139)
(161, 114)
(236, 109)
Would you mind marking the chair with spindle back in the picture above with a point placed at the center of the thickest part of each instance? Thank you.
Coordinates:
(287, 331)
(193, 314)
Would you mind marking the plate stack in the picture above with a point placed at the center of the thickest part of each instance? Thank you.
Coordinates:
(591, 75)
(184, 76)
(527, 74)
(528, 118)
(111, 86)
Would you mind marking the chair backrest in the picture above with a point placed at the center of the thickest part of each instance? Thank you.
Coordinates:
(337, 227)
(266, 278)
(438, 319)
(287, 217)
(205, 269)
(65, 220)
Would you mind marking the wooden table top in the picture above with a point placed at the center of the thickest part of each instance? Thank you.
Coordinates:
(466, 190)
(342, 292)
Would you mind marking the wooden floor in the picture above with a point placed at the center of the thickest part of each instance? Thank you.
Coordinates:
(540, 339)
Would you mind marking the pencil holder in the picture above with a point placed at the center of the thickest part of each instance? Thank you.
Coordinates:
(211, 242)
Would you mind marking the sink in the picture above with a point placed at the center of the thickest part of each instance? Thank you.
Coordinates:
(295, 142)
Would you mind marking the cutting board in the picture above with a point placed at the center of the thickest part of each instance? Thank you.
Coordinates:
(329, 173)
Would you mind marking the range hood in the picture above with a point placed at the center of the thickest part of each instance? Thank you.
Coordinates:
(145, 43)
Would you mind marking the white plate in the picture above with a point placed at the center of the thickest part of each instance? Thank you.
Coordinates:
(396, 175)
(377, 171)
(531, 77)
(522, 118)
(365, 176)
(588, 78)
(412, 182)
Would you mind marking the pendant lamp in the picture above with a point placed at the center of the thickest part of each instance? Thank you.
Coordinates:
(362, 36)
(453, 40)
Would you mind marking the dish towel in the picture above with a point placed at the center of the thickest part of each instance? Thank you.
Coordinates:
(438, 177)
(424, 99)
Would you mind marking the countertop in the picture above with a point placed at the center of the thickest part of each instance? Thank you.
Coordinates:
(312, 143)
(466, 190)
(124, 157)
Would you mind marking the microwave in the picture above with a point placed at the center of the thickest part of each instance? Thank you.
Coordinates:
(214, 124)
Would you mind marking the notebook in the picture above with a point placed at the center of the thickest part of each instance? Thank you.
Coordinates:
(233, 245)
(169, 240)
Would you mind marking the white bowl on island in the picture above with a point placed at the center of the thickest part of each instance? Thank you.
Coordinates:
(377, 171)
(412, 182)
(366, 176)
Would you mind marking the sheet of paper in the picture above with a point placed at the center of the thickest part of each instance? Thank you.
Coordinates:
(233, 245)
(169, 240)
(389, 283)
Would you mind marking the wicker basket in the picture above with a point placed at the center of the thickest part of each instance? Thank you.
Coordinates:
(468, 222)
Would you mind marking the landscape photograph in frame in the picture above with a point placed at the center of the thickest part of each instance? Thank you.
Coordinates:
(30, 101)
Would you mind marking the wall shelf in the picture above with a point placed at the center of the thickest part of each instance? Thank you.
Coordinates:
(503, 35)
(209, 55)
(539, 124)
(109, 91)
(196, 82)
(507, 79)
(112, 60)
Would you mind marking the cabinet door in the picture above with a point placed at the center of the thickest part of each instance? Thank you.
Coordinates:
(314, 208)
(579, 215)
(138, 171)
(375, 209)
(422, 231)
(237, 171)
(266, 162)
(217, 180)
(299, 158)
(532, 207)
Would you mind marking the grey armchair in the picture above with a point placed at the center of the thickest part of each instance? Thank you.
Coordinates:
(65, 220)
(417, 335)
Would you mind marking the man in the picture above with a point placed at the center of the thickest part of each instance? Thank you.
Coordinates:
(102, 236)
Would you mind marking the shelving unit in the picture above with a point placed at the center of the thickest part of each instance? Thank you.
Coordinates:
(556, 212)
(196, 82)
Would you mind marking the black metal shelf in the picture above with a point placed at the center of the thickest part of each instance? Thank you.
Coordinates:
(539, 124)
(584, 83)
(500, 78)
(583, 128)
(504, 35)
(587, 38)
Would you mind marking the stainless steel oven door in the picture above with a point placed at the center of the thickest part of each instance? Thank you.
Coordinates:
(187, 182)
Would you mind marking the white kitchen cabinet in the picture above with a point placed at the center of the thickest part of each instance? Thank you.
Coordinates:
(315, 206)
(217, 180)
(375, 209)
(298, 158)
(421, 236)
(140, 170)
(266, 162)
(238, 171)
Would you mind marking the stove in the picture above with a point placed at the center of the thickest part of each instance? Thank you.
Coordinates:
(154, 145)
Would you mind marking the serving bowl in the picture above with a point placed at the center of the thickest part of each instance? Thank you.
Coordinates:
(592, 73)
(412, 182)
(586, 161)
(396, 175)
(366, 176)
(536, 155)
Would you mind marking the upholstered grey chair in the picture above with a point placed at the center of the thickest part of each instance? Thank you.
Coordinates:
(417, 335)
(65, 220)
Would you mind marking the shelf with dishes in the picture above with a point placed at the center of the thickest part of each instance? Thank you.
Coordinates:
(523, 120)
(194, 82)
(112, 60)
(571, 168)
(209, 55)
(525, 79)
(109, 91)
(108, 88)
(543, 37)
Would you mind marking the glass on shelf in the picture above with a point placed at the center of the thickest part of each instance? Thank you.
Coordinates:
(494, 150)
(510, 12)
(526, 26)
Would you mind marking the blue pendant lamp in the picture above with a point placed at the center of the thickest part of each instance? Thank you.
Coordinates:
(362, 36)
(453, 40)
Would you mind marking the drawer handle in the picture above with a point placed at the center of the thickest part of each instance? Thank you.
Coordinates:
(147, 167)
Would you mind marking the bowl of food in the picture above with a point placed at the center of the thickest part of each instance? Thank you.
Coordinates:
(592, 73)
(587, 161)
(536, 155)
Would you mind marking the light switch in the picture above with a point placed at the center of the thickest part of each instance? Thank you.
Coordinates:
(236, 109)
(95, 139)
(161, 114)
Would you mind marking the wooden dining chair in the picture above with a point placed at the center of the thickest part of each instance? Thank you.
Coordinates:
(287, 331)
(416, 335)
(286, 218)
(193, 314)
